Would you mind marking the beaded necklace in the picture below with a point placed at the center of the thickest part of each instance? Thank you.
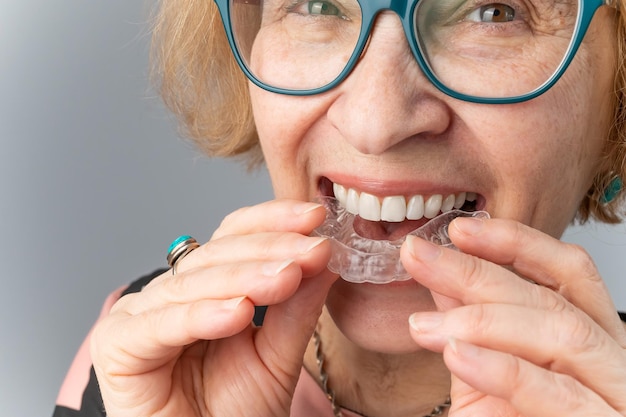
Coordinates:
(330, 394)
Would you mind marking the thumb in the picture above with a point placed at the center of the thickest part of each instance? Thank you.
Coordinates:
(443, 302)
(288, 326)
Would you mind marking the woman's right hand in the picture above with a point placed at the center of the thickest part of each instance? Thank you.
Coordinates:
(184, 346)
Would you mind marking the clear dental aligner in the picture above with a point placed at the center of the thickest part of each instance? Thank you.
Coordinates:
(358, 259)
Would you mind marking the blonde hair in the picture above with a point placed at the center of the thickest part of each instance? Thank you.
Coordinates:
(201, 83)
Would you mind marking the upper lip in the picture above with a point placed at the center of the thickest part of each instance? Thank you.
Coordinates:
(386, 188)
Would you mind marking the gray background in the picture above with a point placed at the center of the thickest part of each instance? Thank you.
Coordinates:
(96, 183)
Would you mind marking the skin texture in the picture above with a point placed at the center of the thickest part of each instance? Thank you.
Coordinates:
(468, 324)
(534, 167)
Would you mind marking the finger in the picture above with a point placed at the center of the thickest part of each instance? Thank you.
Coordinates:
(570, 344)
(288, 326)
(471, 280)
(468, 402)
(130, 351)
(568, 269)
(276, 215)
(530, 389)
(263, 283)
(133, 344)
(261, 246)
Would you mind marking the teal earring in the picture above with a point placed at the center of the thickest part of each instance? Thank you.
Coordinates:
(612, 190)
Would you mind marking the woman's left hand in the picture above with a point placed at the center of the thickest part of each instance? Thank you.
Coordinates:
(550, 344)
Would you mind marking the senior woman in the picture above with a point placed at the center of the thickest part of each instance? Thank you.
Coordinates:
(395, 112)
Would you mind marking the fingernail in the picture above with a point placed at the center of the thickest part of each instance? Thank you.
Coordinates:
(271, 269)
(422, 249)
(453, 345)
(468, 225)
(304, 208)
(233, 303)
(310, 243)
(463, 349)
(425, 322)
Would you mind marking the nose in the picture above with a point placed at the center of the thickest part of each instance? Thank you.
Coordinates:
(386, 99)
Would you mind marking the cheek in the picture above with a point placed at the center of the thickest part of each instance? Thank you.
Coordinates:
(581, 110)
(284, 124)
(556, 152)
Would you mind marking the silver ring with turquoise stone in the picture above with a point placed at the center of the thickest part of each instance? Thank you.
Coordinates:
(180, 248)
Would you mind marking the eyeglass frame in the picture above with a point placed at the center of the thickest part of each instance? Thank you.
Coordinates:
(405, 10)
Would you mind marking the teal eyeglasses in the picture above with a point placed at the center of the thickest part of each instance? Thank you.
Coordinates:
(474, 50)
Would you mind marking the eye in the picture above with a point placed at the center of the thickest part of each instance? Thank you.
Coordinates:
(492, 13)
(323, 8)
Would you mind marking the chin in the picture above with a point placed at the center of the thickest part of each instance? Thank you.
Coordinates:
(376, 317)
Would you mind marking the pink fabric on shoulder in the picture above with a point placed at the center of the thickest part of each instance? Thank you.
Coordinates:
(71, 392)
(310, 401)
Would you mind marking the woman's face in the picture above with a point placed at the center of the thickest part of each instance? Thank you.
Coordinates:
(386, 131)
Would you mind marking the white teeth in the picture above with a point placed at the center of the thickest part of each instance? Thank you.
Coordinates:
(352, 201)
(448, 203)
(415, 208)
(393, 209)
(432, 206)
(369, 207)
(397, 208)
(340, 193)
(460, 200)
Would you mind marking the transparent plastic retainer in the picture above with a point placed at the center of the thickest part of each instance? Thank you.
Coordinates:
(358, 259)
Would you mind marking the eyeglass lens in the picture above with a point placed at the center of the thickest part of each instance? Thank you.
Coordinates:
(474, 47)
